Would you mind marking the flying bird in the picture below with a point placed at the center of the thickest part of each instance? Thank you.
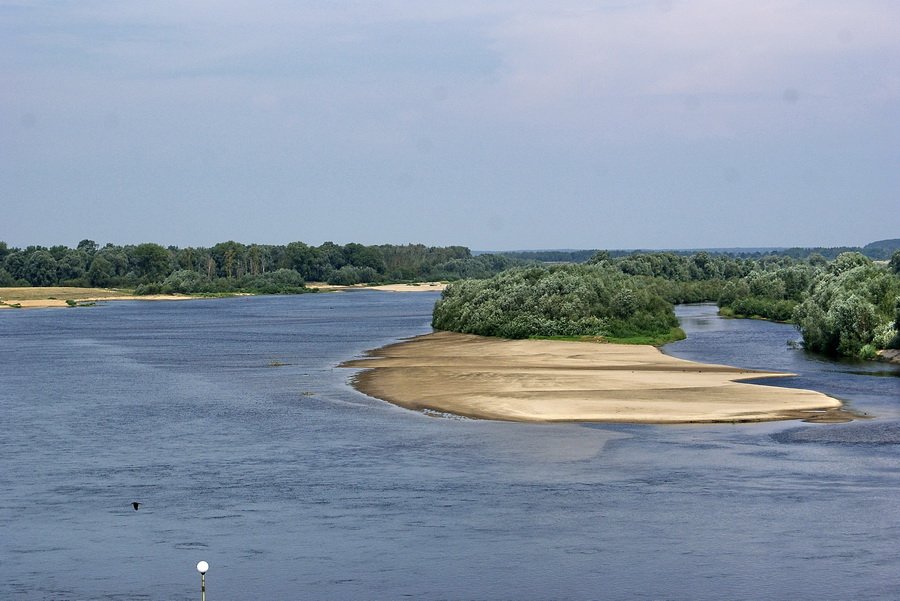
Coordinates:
(135, 504)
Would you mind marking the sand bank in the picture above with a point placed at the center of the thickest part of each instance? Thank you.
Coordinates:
(417, 287)
(890, 356)
(547, 381)
(42, 297)
(39, 297)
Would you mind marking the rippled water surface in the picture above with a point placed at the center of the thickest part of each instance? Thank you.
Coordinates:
(228, 420)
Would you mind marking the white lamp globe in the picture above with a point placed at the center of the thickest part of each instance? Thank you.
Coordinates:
(203, 567)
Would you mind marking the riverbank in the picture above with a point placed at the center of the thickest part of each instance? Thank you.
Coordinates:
(415, 287)
(553, 381)
(45, 297)
(889, 356)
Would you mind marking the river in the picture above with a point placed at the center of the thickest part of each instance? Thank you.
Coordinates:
(247, 448)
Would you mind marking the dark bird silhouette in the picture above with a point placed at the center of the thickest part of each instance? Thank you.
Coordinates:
(135, 504)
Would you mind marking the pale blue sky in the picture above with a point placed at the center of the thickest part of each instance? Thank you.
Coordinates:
(496, 125)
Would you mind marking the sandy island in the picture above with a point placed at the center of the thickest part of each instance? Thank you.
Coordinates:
(551, 381)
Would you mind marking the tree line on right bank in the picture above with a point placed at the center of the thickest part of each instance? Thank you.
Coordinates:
(848, 306)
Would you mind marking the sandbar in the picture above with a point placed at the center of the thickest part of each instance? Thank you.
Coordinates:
(39, 297)
(561, 381)
(56, 296)
(416, 287)
(889, 356)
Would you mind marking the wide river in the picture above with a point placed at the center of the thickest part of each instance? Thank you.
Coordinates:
(228, 420)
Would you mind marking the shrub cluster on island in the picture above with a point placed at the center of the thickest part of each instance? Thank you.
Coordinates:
(846, 307)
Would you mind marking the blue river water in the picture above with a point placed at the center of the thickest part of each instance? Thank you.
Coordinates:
(228, 420)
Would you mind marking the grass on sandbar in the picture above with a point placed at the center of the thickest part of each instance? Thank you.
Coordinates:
(57, 292)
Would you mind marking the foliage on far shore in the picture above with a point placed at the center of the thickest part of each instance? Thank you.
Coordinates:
(230, 267)
(559, 301)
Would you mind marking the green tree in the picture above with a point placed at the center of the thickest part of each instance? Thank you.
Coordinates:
(88, 247)
(101, 272)
(40, 268)
(895, 263)
(850, 308)
(847, 261)
(150, 262)
(305, 260)
(186, 281)
(117, 257)
(601, 256)
(15, 264)
(229, 257)
(71, 268)
(358, 255)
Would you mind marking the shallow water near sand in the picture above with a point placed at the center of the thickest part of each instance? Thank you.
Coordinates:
(228, 420)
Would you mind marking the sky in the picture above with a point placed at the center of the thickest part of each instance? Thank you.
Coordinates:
(498, 125)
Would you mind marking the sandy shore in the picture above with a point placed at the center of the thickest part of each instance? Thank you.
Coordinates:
(43, 297)
(417, 287)
(548, 381)
(889, 356)
(38, 298)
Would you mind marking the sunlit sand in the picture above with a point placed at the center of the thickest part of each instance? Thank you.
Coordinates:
(417, 287)
(44, 297)
(550, 381)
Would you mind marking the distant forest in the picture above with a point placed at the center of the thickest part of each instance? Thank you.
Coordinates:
(879, 251)
(234, 267)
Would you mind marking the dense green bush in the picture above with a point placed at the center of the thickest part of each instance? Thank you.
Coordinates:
(769, 291)
(754, 306)
(894, 264)
(852, 308)
(187, 282)
(571, 300)
(848, 307)
(349, 275)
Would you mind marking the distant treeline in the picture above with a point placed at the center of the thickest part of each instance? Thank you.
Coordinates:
(231, 266)
(548, 256)
(849, 306)
(879, 251)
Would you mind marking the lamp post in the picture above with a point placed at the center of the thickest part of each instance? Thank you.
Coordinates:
(202, 567)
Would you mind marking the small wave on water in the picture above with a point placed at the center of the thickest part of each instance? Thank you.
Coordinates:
(187, 546)
(858, 433)
(444, 415)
